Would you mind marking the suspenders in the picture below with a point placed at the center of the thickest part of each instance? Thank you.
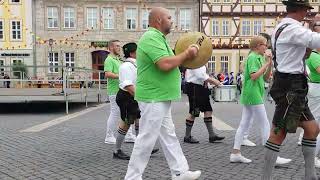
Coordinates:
(274, 49)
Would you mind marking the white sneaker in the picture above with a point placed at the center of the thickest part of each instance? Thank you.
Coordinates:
(130, 139)
(299, 143)
(110, 140)
(247, 142)
(238, 158)
(189, 175)
(281, 160)
(317, 162)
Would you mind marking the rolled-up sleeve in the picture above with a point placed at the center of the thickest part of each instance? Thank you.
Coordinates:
(304, 37)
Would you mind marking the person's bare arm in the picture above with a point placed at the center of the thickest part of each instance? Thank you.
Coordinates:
(262, 70)
(267, 74)
(213, 81)
(171, 62)
(130, 89)
(111, 75)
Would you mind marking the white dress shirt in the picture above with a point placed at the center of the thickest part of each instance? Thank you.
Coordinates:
(196, 76)
(127, 73)
(292, 44)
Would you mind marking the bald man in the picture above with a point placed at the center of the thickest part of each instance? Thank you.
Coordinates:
(158, 83)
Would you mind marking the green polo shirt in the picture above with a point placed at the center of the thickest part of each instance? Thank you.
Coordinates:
(313, 62)
(153, 84)
(112, 64)
(253, 90)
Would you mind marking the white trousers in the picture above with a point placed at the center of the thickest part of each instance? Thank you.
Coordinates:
(259, 115)
(156, 122)
(114, 119)
(314, 105)
(314, 100)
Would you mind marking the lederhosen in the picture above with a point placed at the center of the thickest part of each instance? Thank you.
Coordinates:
(129, 108)
(199, 100)
(289, 92)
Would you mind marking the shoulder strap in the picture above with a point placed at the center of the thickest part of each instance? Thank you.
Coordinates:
(315, 51)
(274, 49)
(130, 62)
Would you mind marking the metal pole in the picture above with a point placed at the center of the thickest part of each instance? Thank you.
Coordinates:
(99, 93)
(86, 97)
(34, 40)
(62, 69)
(65, 93)
(20, 79)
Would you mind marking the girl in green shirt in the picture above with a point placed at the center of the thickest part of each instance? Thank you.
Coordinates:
(257, 69)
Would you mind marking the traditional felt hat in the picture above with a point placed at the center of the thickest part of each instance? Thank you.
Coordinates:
(129, 48)
(302, 3)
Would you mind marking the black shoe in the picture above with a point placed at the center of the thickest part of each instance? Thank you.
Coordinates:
(120, 155)
(215, 138)
(155, 150)
(190, 140)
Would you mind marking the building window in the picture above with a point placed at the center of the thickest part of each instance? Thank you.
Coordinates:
(108, 18)
(52, 17)
(15, 1)
(69, 60)
(227, 1)
(241, 59)
(172, 12)
(92, 18)
(212, 64)
(259, 1)
(245, 30)
(131, 18)
(1, 30)
(247, 1)
(145, 19)
(69, 17)
(215, 28)
(257, 27)
(215, 1)
(16, 30)
(16, 61)
(224, 64)
(53, 61)
(314, 1)
(185, 19)
(1, 67)
(225, 28)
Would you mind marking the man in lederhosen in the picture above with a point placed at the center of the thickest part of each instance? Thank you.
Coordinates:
(129, 109)
(198, 94)
(290, 40)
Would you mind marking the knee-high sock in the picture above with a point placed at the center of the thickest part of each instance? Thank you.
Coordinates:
(189, 125)
(136, 128)
(120, 137)
(208, 122)
(308, 150)
(318, 146)
(270, 157)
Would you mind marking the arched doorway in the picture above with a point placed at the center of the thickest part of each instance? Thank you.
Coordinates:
(98, 58)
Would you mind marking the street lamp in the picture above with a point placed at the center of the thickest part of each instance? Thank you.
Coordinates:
(62, 70)
(239, 43)
(51, 53)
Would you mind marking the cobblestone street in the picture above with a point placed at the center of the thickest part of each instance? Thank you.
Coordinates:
(75, 149)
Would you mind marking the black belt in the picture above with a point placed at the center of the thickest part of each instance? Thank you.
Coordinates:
(288, 75)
